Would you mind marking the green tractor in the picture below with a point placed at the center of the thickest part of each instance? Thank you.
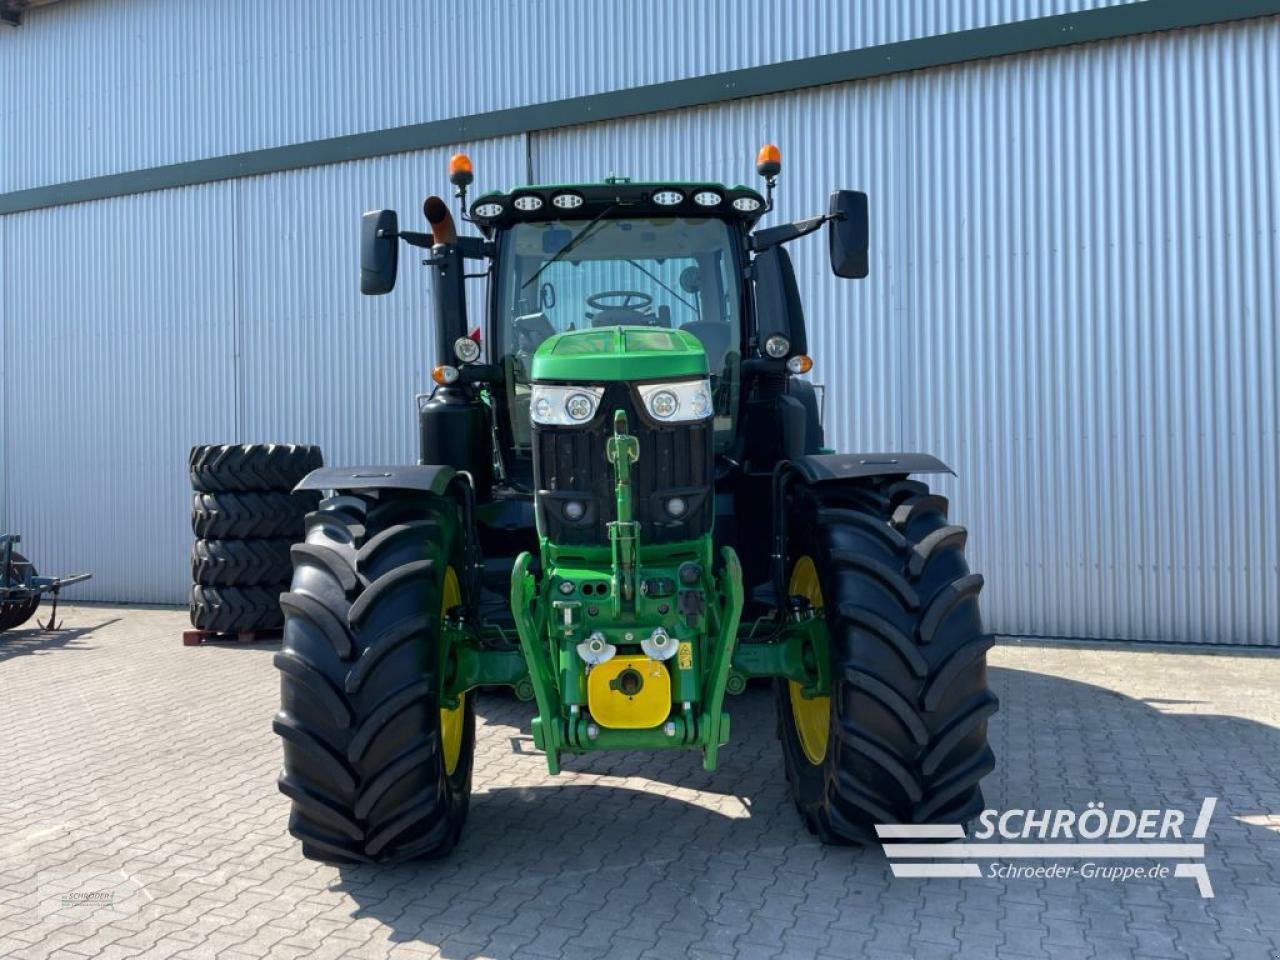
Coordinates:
(625, 509)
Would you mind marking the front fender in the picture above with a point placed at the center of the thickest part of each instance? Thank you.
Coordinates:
(430, 478)
(828, 467)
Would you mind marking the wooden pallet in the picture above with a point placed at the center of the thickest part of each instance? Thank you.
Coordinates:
(194, 638)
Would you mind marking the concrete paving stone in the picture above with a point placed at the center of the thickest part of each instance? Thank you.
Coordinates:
(623, 855)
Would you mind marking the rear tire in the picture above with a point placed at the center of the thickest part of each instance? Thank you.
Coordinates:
(906, 740)
(376, 771)
(231, 609)
(16, 614)
(238, 467)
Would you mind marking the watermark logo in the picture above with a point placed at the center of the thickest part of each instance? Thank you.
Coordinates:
(79, 893)
(1068, 843)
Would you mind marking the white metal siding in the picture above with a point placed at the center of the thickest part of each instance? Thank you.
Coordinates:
(94, 88)
(1072, 301)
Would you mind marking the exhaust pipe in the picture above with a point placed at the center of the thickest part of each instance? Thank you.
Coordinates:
(437, 213)
(450, 296)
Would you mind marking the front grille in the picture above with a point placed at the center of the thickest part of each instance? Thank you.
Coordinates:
(675, 460)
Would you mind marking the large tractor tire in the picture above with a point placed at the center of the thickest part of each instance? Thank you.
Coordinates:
(261, 467)
(903, 736)
(240, 563)
(223, 516)
(377, 769)
(231, 609)
(16, 614)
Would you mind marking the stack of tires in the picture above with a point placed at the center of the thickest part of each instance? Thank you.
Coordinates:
(245, 518)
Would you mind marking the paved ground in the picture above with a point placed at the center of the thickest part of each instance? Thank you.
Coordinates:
(139, 817)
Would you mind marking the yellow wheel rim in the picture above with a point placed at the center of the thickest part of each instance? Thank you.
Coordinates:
(451, 721)
(812, 717)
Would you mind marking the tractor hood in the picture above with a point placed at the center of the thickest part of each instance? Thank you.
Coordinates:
(619, 353)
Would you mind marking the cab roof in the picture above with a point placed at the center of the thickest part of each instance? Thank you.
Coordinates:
(618, 197)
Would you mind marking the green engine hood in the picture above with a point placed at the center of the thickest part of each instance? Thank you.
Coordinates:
(619, 353)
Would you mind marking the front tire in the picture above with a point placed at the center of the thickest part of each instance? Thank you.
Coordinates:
(377, 771)
(903, 736)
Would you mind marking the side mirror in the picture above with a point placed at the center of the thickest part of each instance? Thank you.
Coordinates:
(379, 251)
(779, 311)
(847, 234)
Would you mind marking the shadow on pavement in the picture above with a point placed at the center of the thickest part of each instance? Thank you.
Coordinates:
(669, 846)
(26, 641)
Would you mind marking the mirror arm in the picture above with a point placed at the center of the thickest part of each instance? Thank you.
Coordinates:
(785, 233)
(415, 239)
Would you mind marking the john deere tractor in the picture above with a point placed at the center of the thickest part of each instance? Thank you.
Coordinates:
(624, 509)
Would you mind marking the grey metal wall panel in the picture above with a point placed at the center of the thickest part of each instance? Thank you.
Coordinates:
(119, 331)
(1072, 301)
(4, 384)
(320, 362)
(139, 326)
(100, 88)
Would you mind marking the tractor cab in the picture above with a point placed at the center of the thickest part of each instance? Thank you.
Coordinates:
(663, 257)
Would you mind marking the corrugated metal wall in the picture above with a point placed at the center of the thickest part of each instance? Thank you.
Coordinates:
(101, 86)
(136, 327)
(1072, 301)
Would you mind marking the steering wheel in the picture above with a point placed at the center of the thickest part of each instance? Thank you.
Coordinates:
(597, 300)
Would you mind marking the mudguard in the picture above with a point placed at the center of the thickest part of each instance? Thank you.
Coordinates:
(431, 478)
(827, 467)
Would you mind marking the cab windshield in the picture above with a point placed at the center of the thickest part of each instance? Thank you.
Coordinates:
(675, 273)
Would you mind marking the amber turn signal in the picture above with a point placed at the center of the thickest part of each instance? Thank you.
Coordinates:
(800, 363)
(445, 375)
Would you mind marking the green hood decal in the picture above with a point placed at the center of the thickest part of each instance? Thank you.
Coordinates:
(619, 353)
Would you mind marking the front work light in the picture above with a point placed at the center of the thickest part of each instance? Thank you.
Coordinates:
(777, 346)
(466, 350)
(746, 204)
(567, 201)
(579, 407)
(706, 198)
(528, 203)
(554, 406)
(668, 198)
(677, 402)
(487, 210)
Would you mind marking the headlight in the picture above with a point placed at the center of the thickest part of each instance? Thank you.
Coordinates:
(564, 406)
(677, 402)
